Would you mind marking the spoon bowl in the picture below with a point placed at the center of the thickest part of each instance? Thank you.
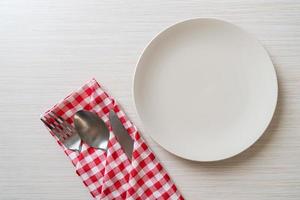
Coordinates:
(92, 129)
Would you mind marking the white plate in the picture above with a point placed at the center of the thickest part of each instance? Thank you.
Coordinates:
(205, 89)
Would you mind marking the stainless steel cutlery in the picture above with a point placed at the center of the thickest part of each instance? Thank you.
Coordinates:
(91, 129)
(121, 134)
(65, 132)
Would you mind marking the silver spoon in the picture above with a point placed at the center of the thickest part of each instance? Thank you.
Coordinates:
(91, 129)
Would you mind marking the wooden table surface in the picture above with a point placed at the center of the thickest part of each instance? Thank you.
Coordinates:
(48, 48)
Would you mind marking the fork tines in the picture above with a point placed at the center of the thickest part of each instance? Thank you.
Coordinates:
(57, 125)
(65, 132)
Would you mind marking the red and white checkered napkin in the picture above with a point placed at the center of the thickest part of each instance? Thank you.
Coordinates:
(110, 175)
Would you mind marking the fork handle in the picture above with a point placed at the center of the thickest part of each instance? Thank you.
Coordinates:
(73, 143)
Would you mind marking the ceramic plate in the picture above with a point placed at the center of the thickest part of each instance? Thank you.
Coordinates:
(205, 89)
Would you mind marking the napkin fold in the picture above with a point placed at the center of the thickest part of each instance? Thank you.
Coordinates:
(110, 174)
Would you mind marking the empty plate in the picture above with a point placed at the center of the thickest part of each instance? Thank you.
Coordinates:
(205, 89)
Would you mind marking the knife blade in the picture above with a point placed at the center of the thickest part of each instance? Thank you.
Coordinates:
(121, 134)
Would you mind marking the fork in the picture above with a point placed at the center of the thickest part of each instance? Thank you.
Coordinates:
(65, 132)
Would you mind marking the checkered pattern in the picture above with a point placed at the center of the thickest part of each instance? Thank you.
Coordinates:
(110, 175)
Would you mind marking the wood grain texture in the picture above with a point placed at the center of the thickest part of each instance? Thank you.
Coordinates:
(48, 48)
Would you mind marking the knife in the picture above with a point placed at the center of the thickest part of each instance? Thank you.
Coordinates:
(121, 134)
